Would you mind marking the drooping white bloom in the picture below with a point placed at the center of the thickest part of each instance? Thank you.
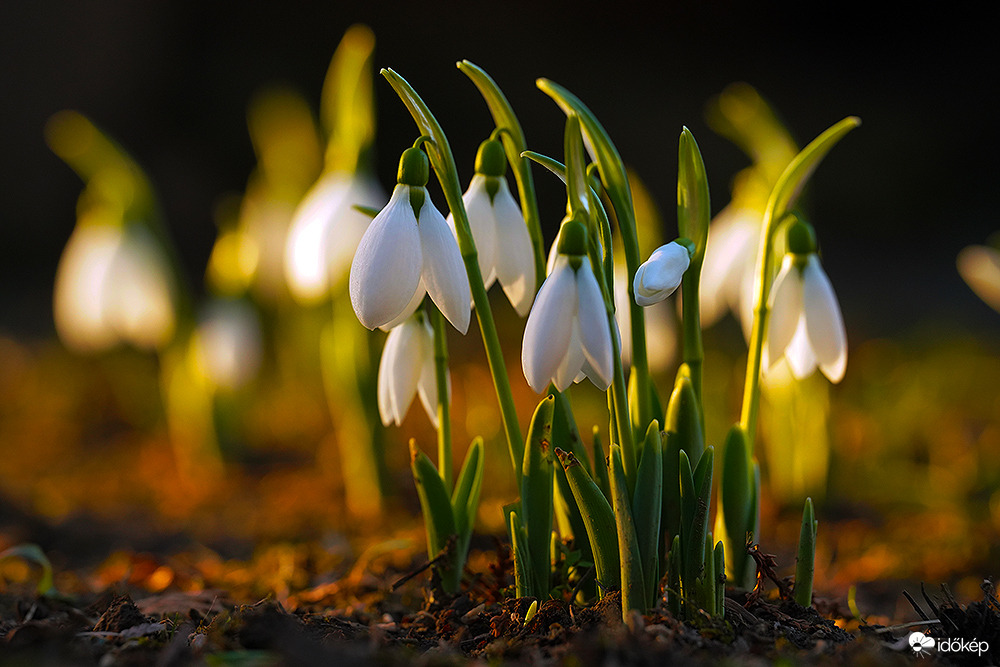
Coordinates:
(806, 327)
(113, 285)
(567, 335)
(502, 241)
(403, 256)
(325, 231)
(406, 369)
(980, 268)
(727, 275)
(660, 319)
(227, 343)
(661, 274)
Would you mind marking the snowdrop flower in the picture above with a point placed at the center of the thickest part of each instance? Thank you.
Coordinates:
(227, 344)
(806, 327)
(406, 369)
(325, 231)
(661, 324)
(567, 335)
(406, 252)
(498, 228)
(113, 284)
(661, 274)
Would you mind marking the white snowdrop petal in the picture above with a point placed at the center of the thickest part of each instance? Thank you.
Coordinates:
(411, 307)
(732, 246)
(385, 409)
(549, 328)
(595, 336)
(661, 274)
(799, 353)
(139, 291)
(309, 232)
(427, 386)
(515, 258)
(824, 323)
(570, 368)
(443, 269)
(386, 268)
(405, 358)
(483, 224)
(786, 309)
(78, 304)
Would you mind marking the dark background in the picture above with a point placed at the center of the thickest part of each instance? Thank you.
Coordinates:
(893, 204)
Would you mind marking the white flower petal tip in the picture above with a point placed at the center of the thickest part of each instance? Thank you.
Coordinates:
(567, 335)
(406, 367)
(502, 240)
(806, 326)
(400, 257)
(661, 274)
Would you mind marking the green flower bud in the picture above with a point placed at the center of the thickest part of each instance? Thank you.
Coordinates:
(491, 159)
(414, 168)
(573, 237)
(801, 237)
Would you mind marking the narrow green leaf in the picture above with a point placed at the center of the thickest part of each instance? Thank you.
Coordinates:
(633, 587)
(576, 167)
(805, 563)
(693, 534)
(737, 499)
(671, 512)
(790, 184)
(598, 518)
(693, 206)
(601, 465)
(347, 104)
(647, 504)
(465, 497)
(439, 521)
(514, 144)
(519, 548)
(683, 416)
(674, 592)
(720, 579)
(609, 161)
(707, 595)
(536, 495)
(565, 433)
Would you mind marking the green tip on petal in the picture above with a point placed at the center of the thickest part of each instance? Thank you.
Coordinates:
(414, 168)
(573, 237)
(491, 160)
(801, 237)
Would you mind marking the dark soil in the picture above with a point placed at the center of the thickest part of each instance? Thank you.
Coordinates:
(176, 628)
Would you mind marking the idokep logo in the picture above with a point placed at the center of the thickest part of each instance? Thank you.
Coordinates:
(923, 645)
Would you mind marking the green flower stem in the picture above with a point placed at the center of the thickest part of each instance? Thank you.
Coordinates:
(693, 214)
(514, 144)
(441, 379)
(580, 205)
(617, 187)
(439, 152)
(781, 201)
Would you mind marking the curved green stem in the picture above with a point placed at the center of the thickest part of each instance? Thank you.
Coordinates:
(444, 463)
(514, 144)
(616, 185)
(786, 191)
(439, 152)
